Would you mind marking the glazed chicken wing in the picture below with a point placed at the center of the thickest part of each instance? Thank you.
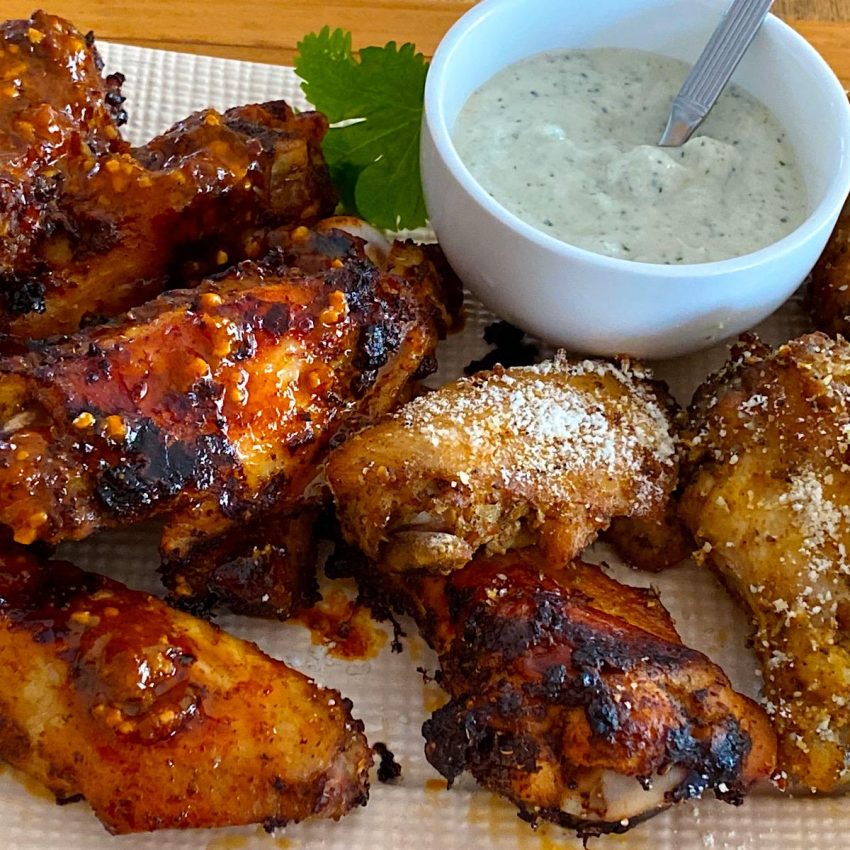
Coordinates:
(158, 719)
(90, 227)
(573, 696)
(767, 497)
(546, 453)
(216, 405)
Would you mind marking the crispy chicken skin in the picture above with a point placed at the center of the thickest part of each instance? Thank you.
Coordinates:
(215, 405)
(573, 696)
(161, 720)
(546, 453)
(89, 227)
(767, 496)
(829, 288)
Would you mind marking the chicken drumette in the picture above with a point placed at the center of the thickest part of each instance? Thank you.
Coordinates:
(829, 289)
(546, 453)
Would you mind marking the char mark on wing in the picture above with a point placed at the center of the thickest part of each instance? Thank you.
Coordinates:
(465, 735)
(376, 345)
(358, 279)
(23, 295)
(152, 469)
(714, 763)
(276, 320)
(550, 618)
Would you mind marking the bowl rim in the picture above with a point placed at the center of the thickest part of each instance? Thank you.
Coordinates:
(436, 125)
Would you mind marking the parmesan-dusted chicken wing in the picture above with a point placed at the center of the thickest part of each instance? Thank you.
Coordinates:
(216, 405)
(829, 289)
(767, 496)
(546, 453)
(89, 227)
(573, 696)
(158, 719)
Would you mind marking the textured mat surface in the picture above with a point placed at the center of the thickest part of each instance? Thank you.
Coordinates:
(388, 693)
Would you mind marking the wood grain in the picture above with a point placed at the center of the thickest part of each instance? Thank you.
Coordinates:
(817, 10)
(268, 30)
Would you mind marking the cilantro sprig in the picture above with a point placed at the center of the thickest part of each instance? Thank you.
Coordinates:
(374, 104)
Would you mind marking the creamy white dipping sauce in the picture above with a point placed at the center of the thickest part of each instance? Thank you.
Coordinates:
(566, 140)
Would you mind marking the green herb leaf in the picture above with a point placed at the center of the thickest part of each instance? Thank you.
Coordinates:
(375, 106)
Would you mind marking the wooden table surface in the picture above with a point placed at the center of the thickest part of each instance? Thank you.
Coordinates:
(268, 30)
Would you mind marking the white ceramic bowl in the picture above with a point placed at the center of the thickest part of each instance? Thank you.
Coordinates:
(603, 305)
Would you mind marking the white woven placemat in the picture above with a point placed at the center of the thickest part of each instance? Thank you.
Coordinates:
(388, 693)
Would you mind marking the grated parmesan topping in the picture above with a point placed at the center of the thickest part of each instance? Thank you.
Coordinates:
(820, 579)
(823, 524)
(556, 425)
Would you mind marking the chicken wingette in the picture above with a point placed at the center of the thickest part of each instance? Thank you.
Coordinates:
(158, 719)
(767, 497)
(90, 227)
(546, 453)
(216, 405)
(573, 696)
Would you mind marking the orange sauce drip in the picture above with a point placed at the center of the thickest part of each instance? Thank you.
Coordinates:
(343, 627)
(435, 784)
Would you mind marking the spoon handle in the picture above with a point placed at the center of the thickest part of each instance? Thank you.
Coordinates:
(712, 70)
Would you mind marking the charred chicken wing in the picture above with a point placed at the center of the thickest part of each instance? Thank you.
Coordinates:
(158, 719)
(89, 227)
(573, 696)
(546, 453)
(216, 405)
(767, 497)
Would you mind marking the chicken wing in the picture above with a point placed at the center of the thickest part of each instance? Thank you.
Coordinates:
(158, 719)
(767, 496)
(573, 696)
(546, 453)
(90, 227)
(217, 404)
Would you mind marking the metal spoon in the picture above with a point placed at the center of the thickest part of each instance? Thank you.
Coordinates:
(708, 77)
